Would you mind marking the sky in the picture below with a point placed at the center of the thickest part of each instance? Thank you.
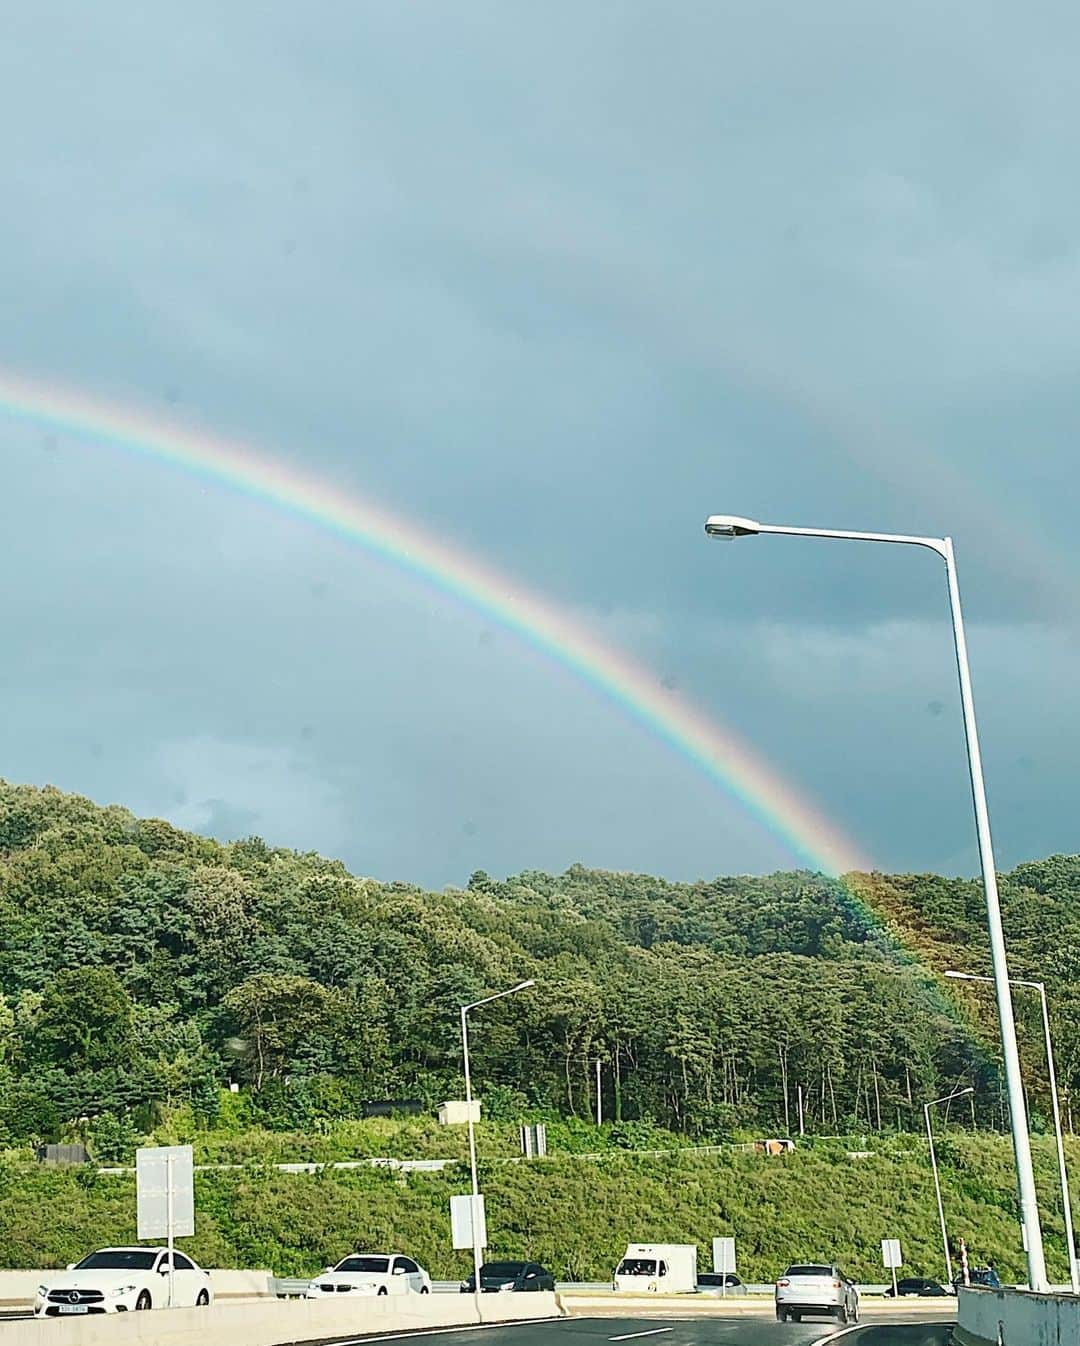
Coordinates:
(554, 282)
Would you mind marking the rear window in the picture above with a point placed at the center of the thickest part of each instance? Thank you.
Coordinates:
(809, 1269)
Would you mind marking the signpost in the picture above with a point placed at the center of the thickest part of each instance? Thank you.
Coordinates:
(461, 1223)
(165, 1196)
(892, 1258)
(723, 1260)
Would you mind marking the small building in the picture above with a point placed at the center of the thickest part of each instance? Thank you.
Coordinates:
(455, 1112)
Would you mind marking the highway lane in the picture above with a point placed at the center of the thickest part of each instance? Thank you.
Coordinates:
(712, 1331)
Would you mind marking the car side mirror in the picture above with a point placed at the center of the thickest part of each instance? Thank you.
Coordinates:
(70, 1266)
(399, 1271)
(326, 1271)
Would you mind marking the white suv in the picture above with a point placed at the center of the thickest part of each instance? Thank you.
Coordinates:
(814, 1287)
(371, 1274)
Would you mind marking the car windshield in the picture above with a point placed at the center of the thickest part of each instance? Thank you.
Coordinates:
(637, 1266)
(375, 1265)
(119, 1259)
(502, 1269)
(809, 1269)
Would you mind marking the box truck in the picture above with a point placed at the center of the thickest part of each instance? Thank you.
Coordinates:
(657, 1268)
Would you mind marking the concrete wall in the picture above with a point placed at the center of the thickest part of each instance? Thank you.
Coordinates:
(17, 1288)
(268, 1323)
(1017, 1318)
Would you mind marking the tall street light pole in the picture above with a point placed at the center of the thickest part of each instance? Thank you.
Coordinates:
(946, 1098)
(1063, 1172)
(730, 526)
(474, 1208)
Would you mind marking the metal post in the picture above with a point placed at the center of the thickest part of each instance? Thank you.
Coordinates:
(895, 1293)
(937, 1189)
(798, 1089)
(475, 1206)
(1029, 1208)
(599, 1118)
(171, 1223)
(1070, 1241)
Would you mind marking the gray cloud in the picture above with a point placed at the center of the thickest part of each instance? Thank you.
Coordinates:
(556, 282)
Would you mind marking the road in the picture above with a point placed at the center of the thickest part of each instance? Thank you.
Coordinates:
(713, 1331)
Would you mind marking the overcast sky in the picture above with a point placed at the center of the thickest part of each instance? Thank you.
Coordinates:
(556, 281)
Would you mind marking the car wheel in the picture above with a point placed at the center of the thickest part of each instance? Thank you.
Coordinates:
(855, 1312)
(781, 1316)
(382, 1289)
(203, 1301)
(144, 1301)
(424, 1290)
(842, 1315)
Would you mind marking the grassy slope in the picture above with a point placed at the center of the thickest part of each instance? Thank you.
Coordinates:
(573, 1213)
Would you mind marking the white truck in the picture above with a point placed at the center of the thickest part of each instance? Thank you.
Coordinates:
(657, 1268)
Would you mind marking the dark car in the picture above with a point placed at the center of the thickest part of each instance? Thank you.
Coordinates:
(716, 1282)
(917, 1285)
(496, 1276)
(982, 1278)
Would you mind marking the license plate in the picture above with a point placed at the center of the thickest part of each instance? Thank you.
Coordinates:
(74, 1308)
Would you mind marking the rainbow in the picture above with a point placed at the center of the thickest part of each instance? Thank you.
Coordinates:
(714, 749)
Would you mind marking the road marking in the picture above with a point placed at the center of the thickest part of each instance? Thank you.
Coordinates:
(653, 1332)
(844, 1332)
(442, 1331)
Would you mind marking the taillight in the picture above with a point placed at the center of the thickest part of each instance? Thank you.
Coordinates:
(782, 1285)
(837, 1284)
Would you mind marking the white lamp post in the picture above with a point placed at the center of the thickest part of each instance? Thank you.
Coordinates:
(729, 526)
(475, 1205)
(946, 1098)
(1063, 1172)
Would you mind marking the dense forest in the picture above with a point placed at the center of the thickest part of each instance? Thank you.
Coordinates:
(144, 969)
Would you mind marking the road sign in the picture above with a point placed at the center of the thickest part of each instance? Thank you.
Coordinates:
(723, 1260)
(165, 1192)
(892, 1257)
(165, 1196)
(461, 1222)
(723, 1255)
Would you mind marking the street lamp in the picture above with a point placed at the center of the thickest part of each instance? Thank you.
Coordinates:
(1070, 1240)
(946, 1098)
(730, 526)
(474, 1208)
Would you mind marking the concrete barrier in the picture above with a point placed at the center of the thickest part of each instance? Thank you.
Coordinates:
(710, 1306)
(17, 1288)
(278, 1322)
(1016, 1318)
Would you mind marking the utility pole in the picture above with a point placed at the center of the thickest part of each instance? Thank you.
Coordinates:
(599, 1116)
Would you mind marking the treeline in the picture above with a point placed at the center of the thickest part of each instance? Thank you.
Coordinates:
(145, 967)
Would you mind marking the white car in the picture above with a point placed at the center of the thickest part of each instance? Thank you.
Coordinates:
(371, 1274)
(816, 1288)
(116, 1280)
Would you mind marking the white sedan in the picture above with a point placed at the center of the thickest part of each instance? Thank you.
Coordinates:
(116, 1280)
(371, 1274)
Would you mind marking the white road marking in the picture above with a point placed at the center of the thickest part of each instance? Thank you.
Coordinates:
(653, 1332)
(444, 1331)
(844, 1332)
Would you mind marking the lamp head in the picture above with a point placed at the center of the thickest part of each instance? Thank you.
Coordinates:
(730, 526)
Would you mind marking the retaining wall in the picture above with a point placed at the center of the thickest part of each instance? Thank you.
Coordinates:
(1016, 1318)
(277, 1322)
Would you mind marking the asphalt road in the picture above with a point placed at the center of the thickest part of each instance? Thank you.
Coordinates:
(713, 1331)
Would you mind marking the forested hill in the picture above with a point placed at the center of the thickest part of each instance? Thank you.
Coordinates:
(144, 967)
